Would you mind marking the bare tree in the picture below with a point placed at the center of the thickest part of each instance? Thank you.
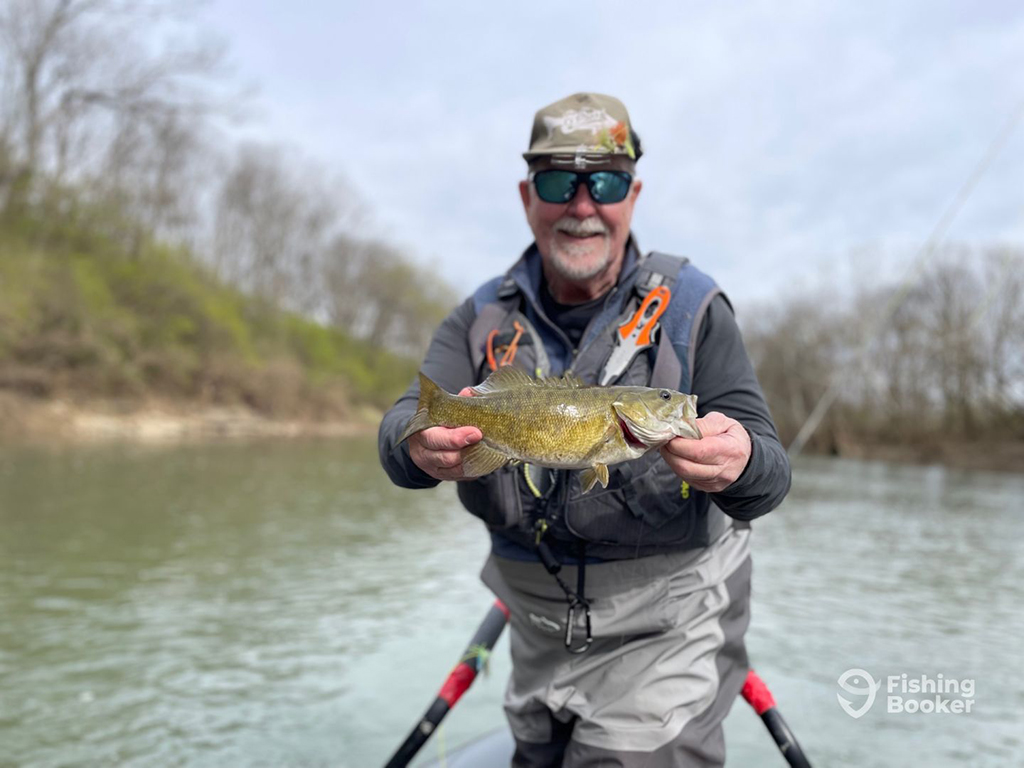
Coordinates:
(375, 292)
(943, 366)
(795, 349)
(154, 173)
(78, 73)
(275, 219)
(999, 322)
(346, 299)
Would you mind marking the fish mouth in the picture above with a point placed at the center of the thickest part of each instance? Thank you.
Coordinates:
(687, 428)
(629, 437)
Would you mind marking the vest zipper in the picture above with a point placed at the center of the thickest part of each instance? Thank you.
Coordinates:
(576, 353)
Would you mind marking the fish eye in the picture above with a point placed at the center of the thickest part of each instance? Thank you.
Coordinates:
(665, 394)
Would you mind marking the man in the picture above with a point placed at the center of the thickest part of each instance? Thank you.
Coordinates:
(629, 604)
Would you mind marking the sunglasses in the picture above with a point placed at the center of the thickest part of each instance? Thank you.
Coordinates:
(555, 186)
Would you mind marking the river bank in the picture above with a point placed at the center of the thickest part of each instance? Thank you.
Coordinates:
(999, 455)
(62, 421)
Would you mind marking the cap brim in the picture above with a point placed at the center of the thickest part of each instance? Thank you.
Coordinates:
(583, 161)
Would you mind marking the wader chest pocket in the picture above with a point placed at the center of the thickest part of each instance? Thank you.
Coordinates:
(654, 494)
(494, 498)
(635, 609)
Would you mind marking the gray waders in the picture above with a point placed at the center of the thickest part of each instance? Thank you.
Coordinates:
(666, 663)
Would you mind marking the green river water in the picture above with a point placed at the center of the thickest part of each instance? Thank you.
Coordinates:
(281, 604)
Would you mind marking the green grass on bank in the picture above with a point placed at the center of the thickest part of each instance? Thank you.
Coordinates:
(83, 315)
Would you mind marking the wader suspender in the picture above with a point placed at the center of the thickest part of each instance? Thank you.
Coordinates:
(656, 269)
(661, 269)
(576, 599)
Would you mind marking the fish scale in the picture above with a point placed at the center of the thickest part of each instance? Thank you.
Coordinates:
(557, 423)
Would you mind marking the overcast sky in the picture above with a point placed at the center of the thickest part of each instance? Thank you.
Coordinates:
(783, 141)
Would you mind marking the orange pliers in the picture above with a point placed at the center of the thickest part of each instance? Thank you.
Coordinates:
(634, 336)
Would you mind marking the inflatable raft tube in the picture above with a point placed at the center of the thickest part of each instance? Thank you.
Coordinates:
(492, 750)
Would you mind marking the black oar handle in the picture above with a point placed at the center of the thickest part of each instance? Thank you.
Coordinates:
(455, 685)
(760, 698)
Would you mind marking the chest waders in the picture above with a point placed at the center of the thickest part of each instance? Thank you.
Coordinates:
(646, 509)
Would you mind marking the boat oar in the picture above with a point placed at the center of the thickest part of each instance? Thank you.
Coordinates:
(458, 682)
(760, 698)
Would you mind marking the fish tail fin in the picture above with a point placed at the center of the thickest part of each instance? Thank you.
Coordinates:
(430, 393)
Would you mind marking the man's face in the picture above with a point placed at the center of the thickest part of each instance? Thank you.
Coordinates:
(579, 239)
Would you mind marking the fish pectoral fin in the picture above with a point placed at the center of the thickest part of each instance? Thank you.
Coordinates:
(589, 477)
(480, 459)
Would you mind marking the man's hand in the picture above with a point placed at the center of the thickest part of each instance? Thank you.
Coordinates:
(712, 463)
(436, 450)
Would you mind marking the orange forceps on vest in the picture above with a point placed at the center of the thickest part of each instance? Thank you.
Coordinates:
(510, 351)
(635, 335)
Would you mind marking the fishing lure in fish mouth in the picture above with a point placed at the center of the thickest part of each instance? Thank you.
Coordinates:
(556, 422)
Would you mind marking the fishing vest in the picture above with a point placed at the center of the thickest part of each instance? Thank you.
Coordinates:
(646, 509)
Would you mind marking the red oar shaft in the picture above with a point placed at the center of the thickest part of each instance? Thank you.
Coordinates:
(455, 685)
(462, 676)
(760, 698)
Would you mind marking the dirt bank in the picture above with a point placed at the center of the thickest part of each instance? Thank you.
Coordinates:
(995, 455)
(28, 419)
(155, 421)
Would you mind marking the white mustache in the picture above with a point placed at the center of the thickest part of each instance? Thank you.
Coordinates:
(591, 225)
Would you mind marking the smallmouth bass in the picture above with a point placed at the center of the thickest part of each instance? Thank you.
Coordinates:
(558, 423)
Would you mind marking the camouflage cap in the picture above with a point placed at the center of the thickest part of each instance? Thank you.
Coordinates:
(583, 130)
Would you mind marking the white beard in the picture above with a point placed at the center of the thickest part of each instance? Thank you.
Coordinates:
(582, 260)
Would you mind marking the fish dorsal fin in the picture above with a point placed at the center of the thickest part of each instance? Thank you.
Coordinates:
(506, 377)
(568, 381)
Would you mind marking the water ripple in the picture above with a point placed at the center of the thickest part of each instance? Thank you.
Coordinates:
(283, 605)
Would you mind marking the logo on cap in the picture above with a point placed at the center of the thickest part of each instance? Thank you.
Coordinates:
(586, 119)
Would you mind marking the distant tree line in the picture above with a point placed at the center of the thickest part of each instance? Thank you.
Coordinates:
(937, 359)
(112, 114)
(113, 111)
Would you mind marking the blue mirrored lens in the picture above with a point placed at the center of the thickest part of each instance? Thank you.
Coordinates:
(556, 186)
(608, 186)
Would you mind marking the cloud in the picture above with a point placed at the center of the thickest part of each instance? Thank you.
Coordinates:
(778, 138)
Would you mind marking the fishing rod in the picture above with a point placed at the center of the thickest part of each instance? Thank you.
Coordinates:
(838, 377)
(457, 683)
(755, 692)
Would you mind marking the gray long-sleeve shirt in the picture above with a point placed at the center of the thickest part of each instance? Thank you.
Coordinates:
(723, 380)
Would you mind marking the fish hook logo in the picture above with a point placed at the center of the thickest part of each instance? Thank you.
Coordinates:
(545, 624)
(848, 681)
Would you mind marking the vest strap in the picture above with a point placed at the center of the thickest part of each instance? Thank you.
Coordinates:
(662, 269)
(508, 288)
(657, 269)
